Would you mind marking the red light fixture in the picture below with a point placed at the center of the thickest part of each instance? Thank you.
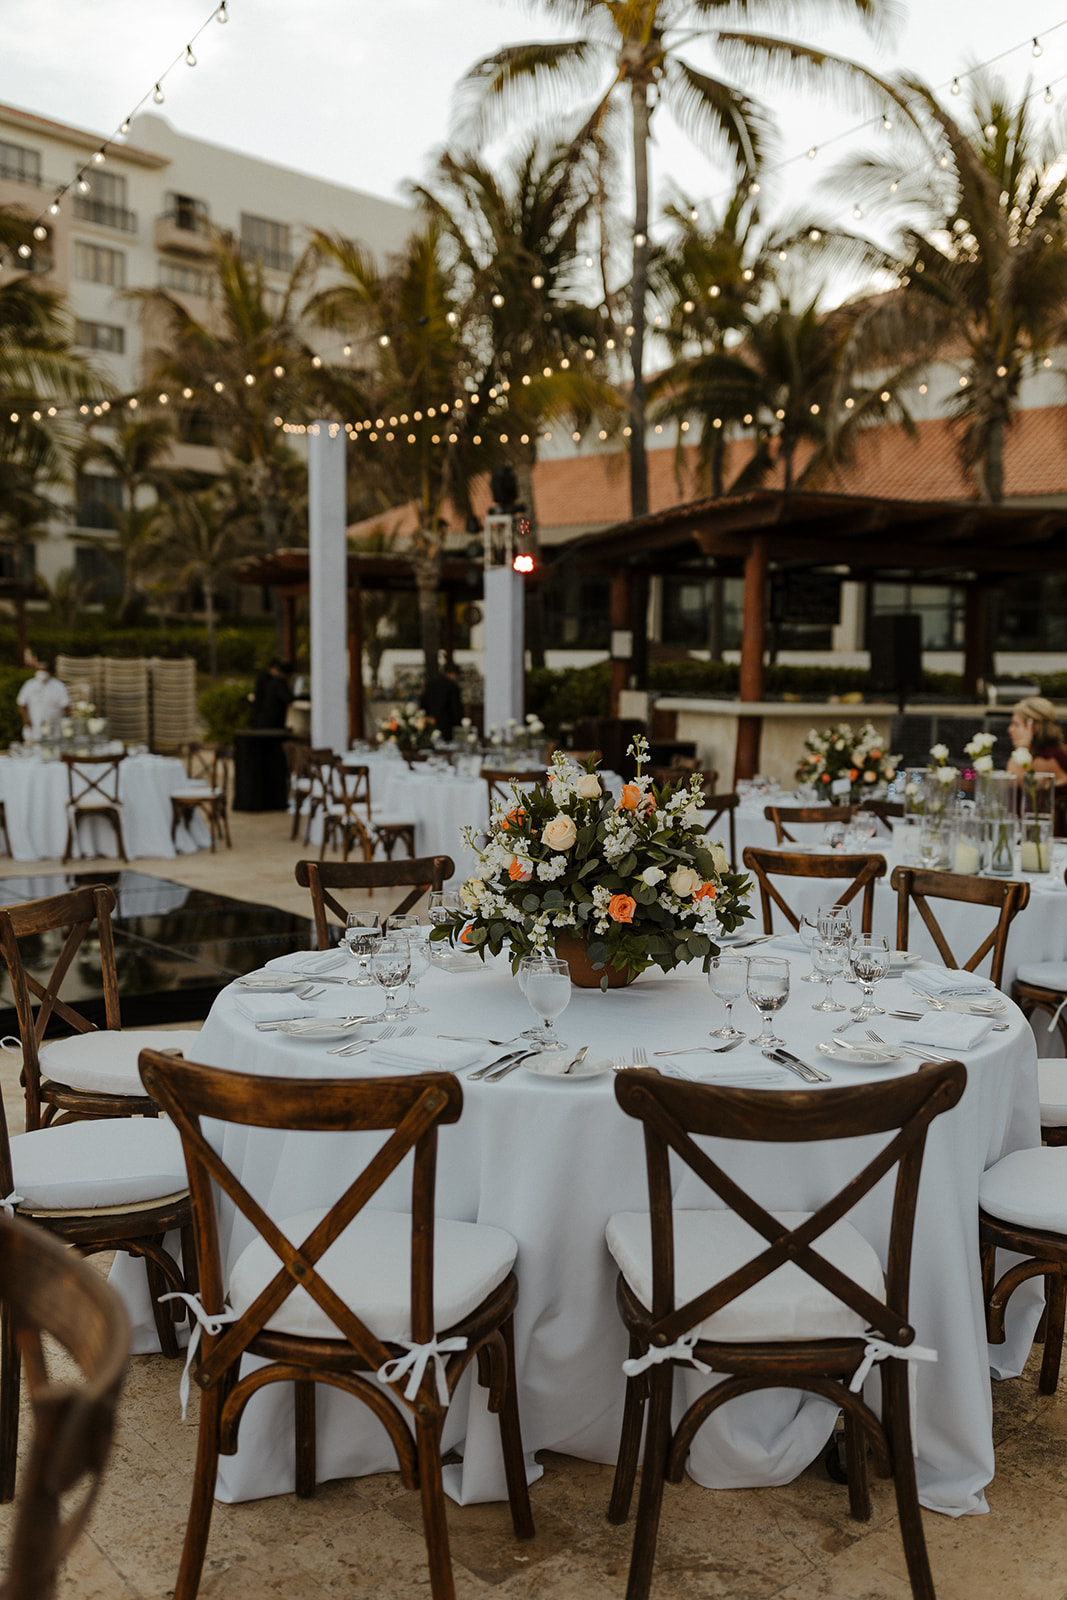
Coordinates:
(523, 563)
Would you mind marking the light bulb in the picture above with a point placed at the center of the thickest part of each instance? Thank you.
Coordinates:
(348, 350)
(694, 215)
(83, 185)
(40, 232)
(658, 321)
(219, 386)
(249, 379)
(279, 372)
(53, 209)
(537, 281)
(639, 240)
(814, 235)
(190, 59)
(98, 158)
(955, 86)
(814, 410)
(780, 414)
(590, 355)
(990, 130)
(812, 153)
(849, 403)
(164, 399)
(894, 186)
(748, 274)
(1047, 97)
(783, 255)
(124, 127)
(564, 364)
(222, 15)
(885, 397)
(1038, 49)
(498, 301)
(887, 122)
(383, 339)
(713, 292)
(609, 344)
(157, 95)
(589, 261)
(753, 187)
(689, 306)
(25, 251)
(316, 362)
(857, 212)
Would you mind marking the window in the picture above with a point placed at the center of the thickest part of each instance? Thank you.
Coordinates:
(106, 202)
(100, 336)
(1030, 613)
(267, 242)
(98, 572)
(93, 263)
(941, 610)
(19, 164)
(187, 213)
(182, 279)
(18, 562)
(98, 498)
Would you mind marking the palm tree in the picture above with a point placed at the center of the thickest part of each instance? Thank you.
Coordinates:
(135, 453)
(631, 50)
(983, 267)
(201, 537)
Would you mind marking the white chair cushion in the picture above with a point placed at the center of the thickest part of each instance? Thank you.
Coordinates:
(94, 802)
(710, 1245)
(1028, 1188)
(1046, 974)
(105, 1062)
(1052, 1091)
(195, 792)
(369, 1267)
(82, 1166)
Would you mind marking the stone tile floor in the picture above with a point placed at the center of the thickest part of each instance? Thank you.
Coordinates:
(362, 1539)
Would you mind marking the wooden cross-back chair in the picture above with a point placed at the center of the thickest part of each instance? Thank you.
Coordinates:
(46, 1290)
(351, 801)
(419, 875)
(501, 780)
(886, 811)
(93, 1071)
(93, 789)
(860, 872)
(349, 1331)
(723, 805)
(800, 815)
(295, 751)
(730, 1324)
(208, 766)
(319, 784)
(918, 886)
(344, 816)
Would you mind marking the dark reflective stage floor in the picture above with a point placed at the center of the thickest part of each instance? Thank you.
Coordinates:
(175, 947)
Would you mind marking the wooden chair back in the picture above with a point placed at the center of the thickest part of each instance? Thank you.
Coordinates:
(799, 815)
(46, 1289)
(346, 814)
(919, 885)
(885, 811)
(860, 873)
(420, 876)
(500, 781)
(723, 805)
(209, 763)
(29, 934)
(93, 781)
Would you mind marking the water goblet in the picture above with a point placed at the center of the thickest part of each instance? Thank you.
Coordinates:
(829, 957)
(930, 847)
(445, 904)
(408, 925)
(809, 932)
(767, 988)
(834, 924)
(389, 964)
(833, 834)
(548, 993)
(728, 979)
(870, 963)
(363, 929)
(865, 823)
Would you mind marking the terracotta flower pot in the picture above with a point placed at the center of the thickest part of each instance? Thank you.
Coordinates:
(583, 974)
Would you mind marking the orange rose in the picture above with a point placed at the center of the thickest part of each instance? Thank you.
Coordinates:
(853, 773)
(706, 891)
(621, 908)
(518, 872)
(631, 797)
(465, 936)
(825, 778)
(515, 817)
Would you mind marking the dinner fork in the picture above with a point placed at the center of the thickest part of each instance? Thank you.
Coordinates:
(619, 1064)
(478, 1038)
(640, 1057)
(365, 1044)
(908, 1050)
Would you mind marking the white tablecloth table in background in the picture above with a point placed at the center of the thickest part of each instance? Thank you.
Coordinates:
(550, 1161)
(36, 793)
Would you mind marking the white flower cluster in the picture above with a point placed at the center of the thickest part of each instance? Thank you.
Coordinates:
(979, 749)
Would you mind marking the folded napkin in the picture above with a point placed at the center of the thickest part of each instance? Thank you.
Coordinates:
(944, 982)
(952, 1033)
(271, 1007)
(790, 941)
(313, 961)
(426, 1055)
(740, 1075)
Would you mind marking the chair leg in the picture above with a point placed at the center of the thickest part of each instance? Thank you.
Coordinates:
(224, 821)
(305, 1439)
(633, 1417)
(432, 1494)
(118, 835)
(859, 1480)
(163, 1315)
(895, 1413)
(511, 1444)
(1055, 1305)
(10, 1376)
(653, 1474)
(204, 1474)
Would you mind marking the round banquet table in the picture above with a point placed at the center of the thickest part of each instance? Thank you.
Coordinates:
(35, 795)
(550, 1161)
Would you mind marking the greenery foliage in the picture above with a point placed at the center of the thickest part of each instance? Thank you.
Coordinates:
(224, 708)
(243, 649)
(11, 681)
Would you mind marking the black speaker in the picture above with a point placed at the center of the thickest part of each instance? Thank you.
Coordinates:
(896, 649)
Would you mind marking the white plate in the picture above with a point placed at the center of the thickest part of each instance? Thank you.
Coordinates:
(319, 1028)
(550, 1064)
(739, 936)
(860, 1055)
(272, 983)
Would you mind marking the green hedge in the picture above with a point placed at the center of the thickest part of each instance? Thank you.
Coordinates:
(239, 649)
(224, 708)
(11, 681)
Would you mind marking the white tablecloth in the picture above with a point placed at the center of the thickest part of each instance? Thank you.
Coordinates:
(550, 1161)
(35, 795)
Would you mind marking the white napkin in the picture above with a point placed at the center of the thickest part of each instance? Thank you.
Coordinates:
(789, 941)
(943, 982)
(426, 1055)
(741, 1076)
(271, 1007)
(313, 961)
(953, 1033)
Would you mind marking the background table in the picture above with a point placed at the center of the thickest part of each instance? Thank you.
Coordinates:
(36, 793)
(550, 1161)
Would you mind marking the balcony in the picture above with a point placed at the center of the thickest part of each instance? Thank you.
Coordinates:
(86, 209)
(185, 232)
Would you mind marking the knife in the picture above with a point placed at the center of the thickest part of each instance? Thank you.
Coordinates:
(502, 1072)
(802, 1068)
(500, 1061)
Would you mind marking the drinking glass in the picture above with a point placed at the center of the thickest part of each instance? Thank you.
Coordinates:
(833, 834)
(865, 823)
(870, 963)
(408, 925)
(930, 848)
(809, 932)
(829, 958)
(835, 924)
(768, 990)
(548, 993)
(389, 964)
(444, 905)
(363, 930)
(728, 979)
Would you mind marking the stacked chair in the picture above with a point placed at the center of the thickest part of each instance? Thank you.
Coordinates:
(125, 691)
(173, 687)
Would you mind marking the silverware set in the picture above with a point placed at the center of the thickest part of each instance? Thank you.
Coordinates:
(365, 1044)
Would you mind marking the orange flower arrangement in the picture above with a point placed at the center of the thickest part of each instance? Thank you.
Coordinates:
(621, 908)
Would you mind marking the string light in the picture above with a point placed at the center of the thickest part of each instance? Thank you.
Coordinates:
(955, 86)
(190, 59)
(158, 95)
(1038, 49)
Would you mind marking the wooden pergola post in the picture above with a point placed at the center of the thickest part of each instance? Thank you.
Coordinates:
(288, 599)
(975, 638)
(356, 710)
(621, 622)
(753, 629)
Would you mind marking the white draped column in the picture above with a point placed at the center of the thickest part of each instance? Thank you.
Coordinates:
(328, 563)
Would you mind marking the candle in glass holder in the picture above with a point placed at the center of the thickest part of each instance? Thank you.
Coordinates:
(1034, 856)
(966, 858)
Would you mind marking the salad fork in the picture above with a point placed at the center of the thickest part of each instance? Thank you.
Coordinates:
(908, 1050)
(640, 1056)
(356, 1049)
(619, 1064)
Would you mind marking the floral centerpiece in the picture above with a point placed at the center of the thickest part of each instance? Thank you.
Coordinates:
(1037, 796)
(626, 885)
(844, 752)
(409, 729)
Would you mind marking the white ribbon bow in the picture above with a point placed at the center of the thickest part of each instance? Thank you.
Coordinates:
(1057, 1014)
(879, 1350)
(9, 1202)
(416, 1361)
(12, 1045)
(210, 1322)
(680, 1350)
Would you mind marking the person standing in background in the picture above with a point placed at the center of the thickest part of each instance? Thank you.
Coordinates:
(271, 696)
(43, 700)
(442, 699)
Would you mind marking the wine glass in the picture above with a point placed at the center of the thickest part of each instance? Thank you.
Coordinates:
(865, 823)
(445, 904)
(536, 1034)
(829, 957)
(389, 964)
(363, 929)
(833, 834)
(409, 925)
(767, 988)
(930, 847)
(870, 963)
(548, 993)
(835, 924)
(809, 932)
(727, 977)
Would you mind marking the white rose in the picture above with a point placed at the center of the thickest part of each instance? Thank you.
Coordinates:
(683, 881)
(691, 816)
(719, 859)
(1022, 757)
(468, 893)
(560, 833)
(652, 876)
(984, 764)
(939, 752)
(945, 775)
(588, 786)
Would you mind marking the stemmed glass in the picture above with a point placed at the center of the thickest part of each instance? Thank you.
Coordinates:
(930, 847)
(870, 963)
(548, 993)
(444, 905)
(768, 990)
(809, 932)
(409, 926)
(363, 930)
(829, 957)
(727, 977)
(389, 968)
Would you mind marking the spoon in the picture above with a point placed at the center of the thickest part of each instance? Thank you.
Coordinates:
(577, 1060)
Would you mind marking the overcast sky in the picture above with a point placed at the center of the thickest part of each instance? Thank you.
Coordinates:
(360, 91)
